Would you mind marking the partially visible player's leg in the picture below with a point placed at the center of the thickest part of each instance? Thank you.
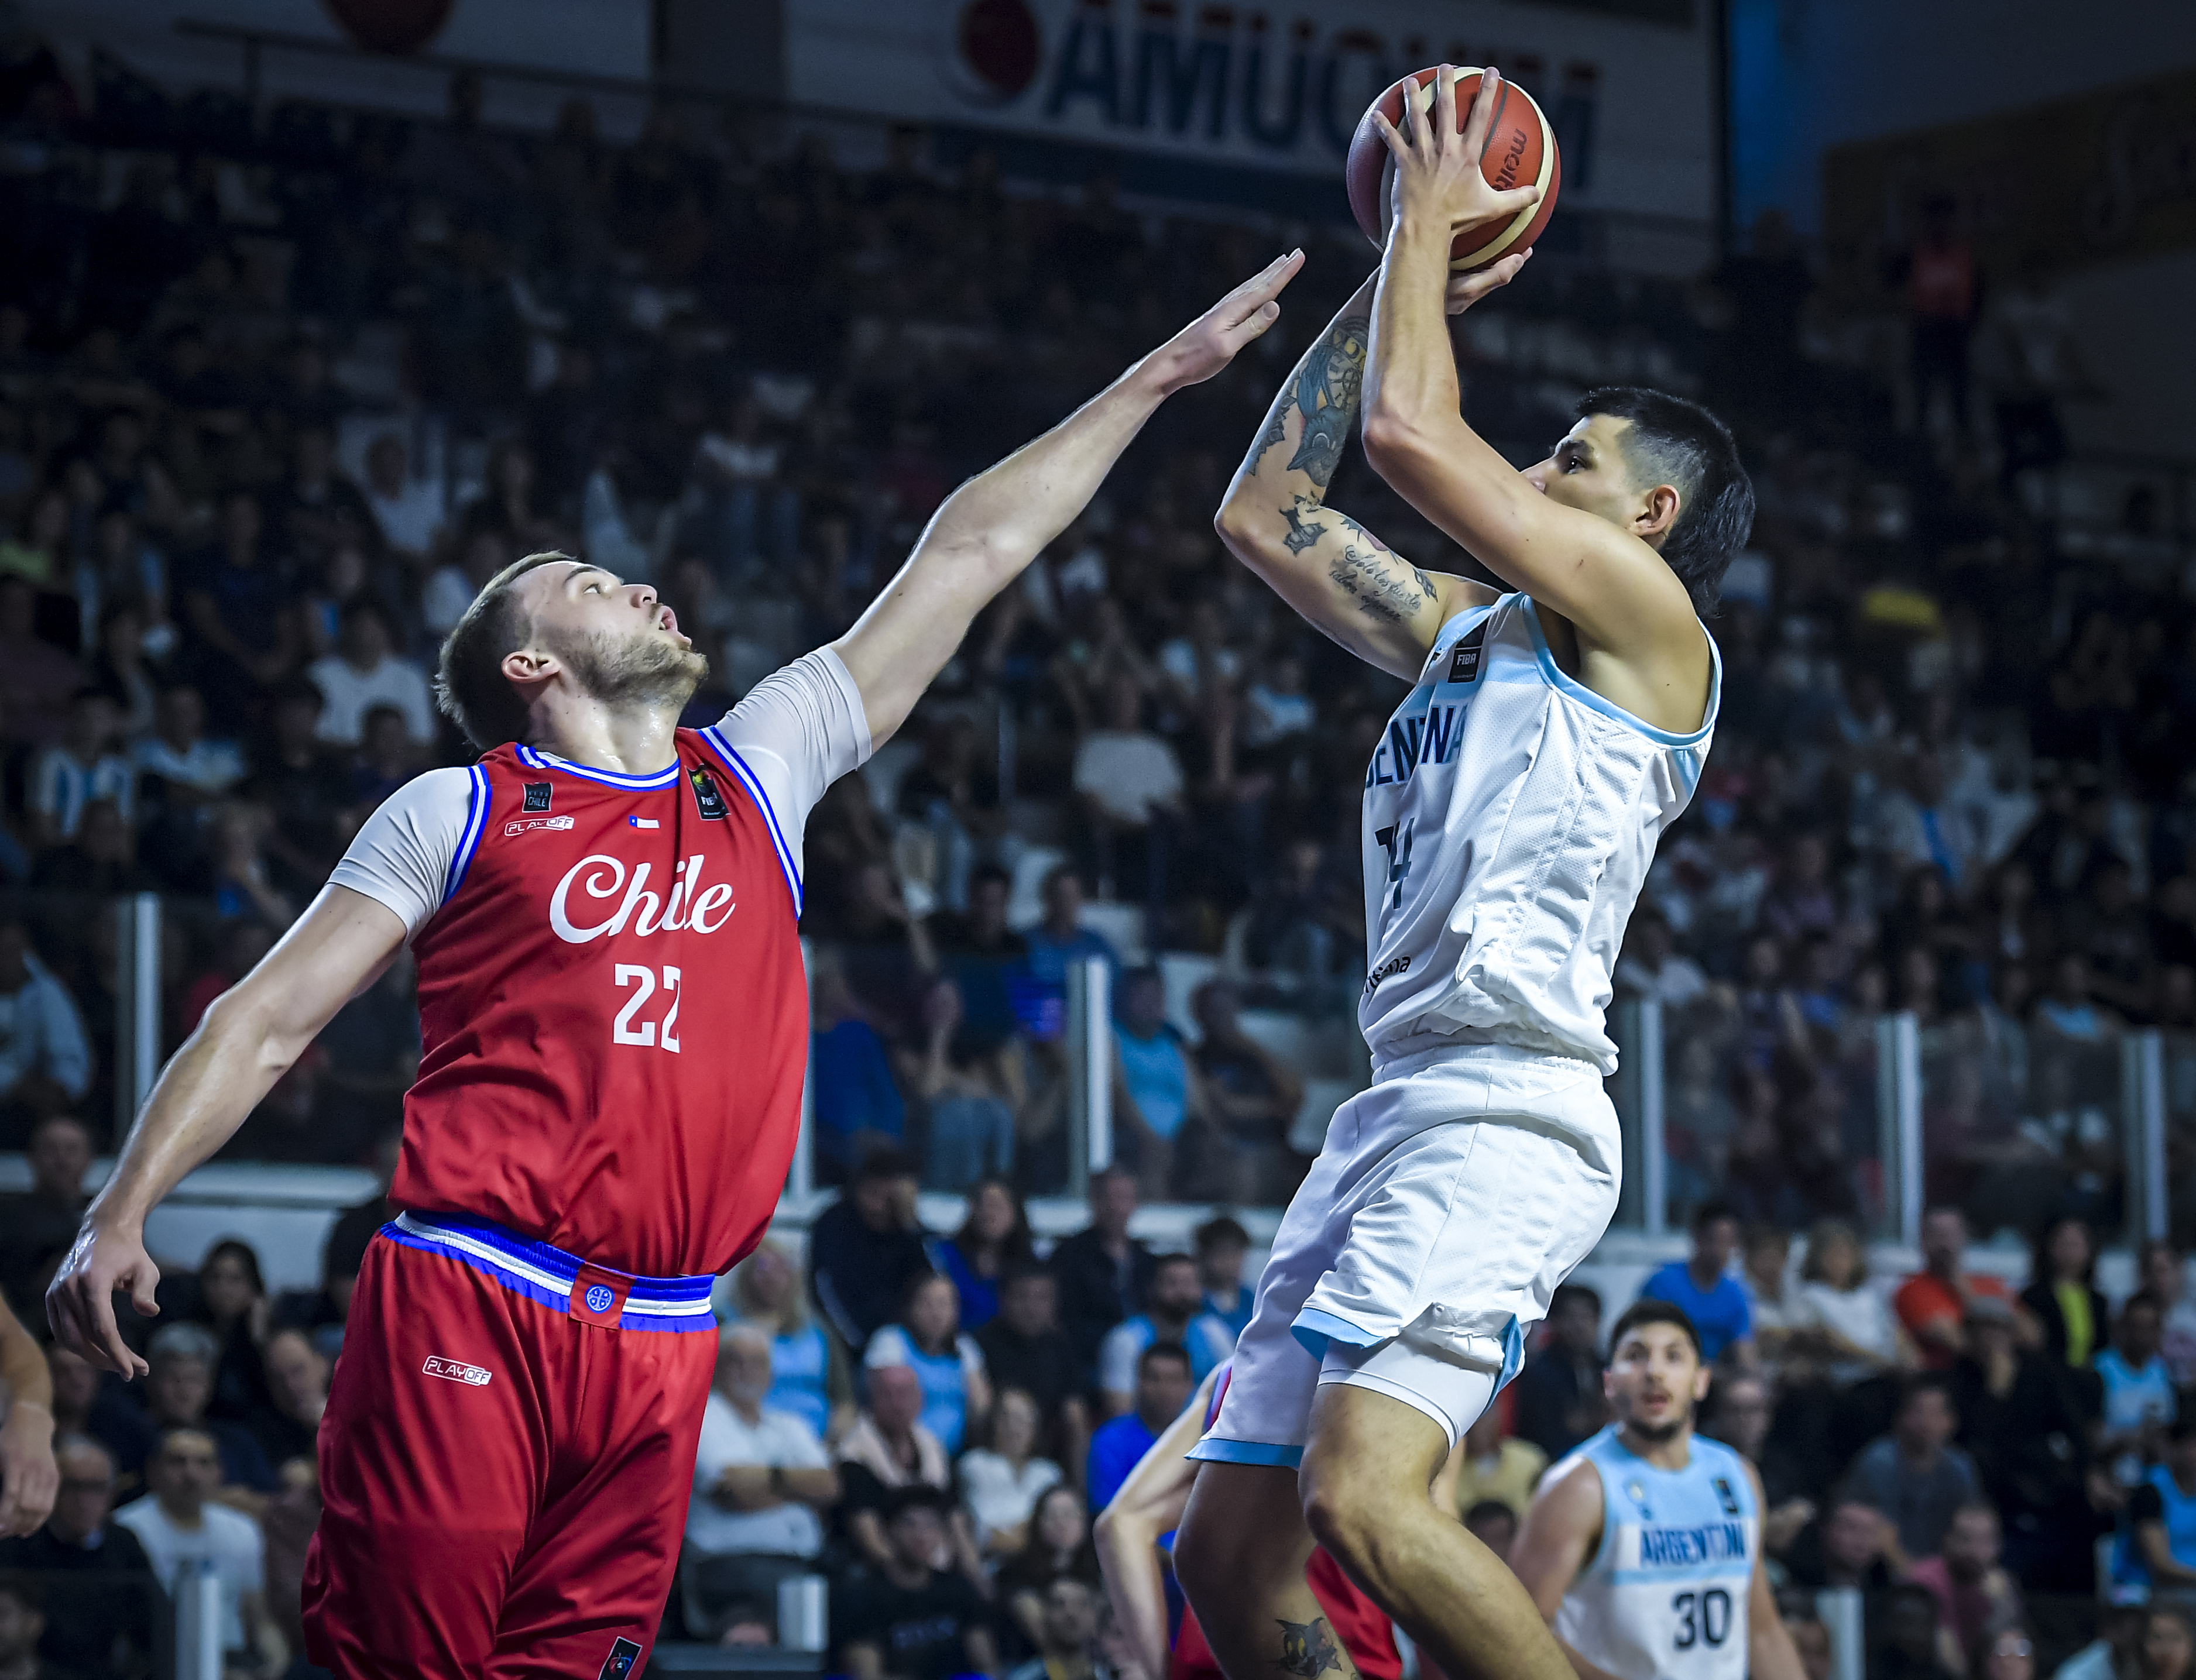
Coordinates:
(1364, 1485)
(431, 1455)
(1240, 1557)
(587, 1590)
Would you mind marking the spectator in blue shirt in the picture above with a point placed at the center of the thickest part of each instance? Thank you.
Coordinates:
(2140, 1400)
(1058, 941)
(1174, 1314)
(1221, 1245)
(1702, 1286)
(1163, 1389)
(858, 1108)
(1156, 1072)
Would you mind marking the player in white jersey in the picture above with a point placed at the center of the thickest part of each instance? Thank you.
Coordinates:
(1510, 813)
(1642, 1549)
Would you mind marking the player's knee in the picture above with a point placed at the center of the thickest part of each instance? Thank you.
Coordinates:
(1342, 1510)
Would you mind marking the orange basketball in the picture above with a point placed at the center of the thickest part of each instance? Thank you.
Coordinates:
(1520, 149)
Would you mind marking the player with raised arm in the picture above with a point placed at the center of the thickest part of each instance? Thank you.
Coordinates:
(1642, 1548)
(614, 1027)
(1509, 812)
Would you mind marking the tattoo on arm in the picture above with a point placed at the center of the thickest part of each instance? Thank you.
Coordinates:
(1307, 1649)
(1383, 585)
(1328, 384)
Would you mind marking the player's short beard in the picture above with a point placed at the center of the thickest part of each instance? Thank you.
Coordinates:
(641, 670)
(1660, 1434)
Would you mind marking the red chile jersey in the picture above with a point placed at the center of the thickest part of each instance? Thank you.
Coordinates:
(613, 1011)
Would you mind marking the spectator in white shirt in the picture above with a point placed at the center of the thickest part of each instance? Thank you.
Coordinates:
(761, 1479)
(1125, 778)
(192, 769)
(450, 590)
(179, 1523)
(1002, 1484)
(83, 767)
(45, 1062)
(368, 672)
(409, 512)
(1276, 707)
(1650, 966)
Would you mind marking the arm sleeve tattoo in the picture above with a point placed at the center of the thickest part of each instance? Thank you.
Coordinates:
(1324, 391)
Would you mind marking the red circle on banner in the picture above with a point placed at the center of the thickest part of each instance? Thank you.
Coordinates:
(998, 43)
(390, 25)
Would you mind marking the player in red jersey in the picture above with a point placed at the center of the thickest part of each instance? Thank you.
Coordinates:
(1149, 1505)
(614, 1027)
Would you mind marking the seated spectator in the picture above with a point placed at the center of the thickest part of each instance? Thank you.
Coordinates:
(867, 1247)
(182, 1358)
(178, 768)
(1493, 1524)
(1163, 1386)
(1764, 1265)
(1740, 1408)
(2168, 1651)
(1175, 1316)
(1932, 1305)
(408, 511)
(857, 1103)
(87, 1402)
(1059, 1547)
(2165, 1274)
(1492, 1464)
(1060, 940)
(1907, 1646)
(903, 1618)
(979, 952)
(101, 859)
(2031, 1444)
(1914, 1476)
(1103, 1271)
(1001, 1484)
(1844, 1547)
(45, 1062)
(971, 1092)
(1221, 1244)
(23, 1626)
(888, 1450)
(1250, 1100)
(1701, 1284)
(1837, 1316)
(809, 1376)
(38, 1225)
(1651, 966)
(956, 1394)
(304, 785)
(2157, 1549)
(1155, 1070)
(1024, 1348)
(2116, 1651)
(761, 1478)
(1975, 1597)
(82, 766)
(2064, 1299)
(1559, 1394)
(993, 1237)
(103, 1604)
(36, 679)
(2139, 1399)
(231, 1303)
(366, 671)
(1067, 1634)
(1128, 783)
(180, 1521)
(287, 1426)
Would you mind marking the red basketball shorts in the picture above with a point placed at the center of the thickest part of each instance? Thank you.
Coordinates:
(506, 1461)
(1361, 1626)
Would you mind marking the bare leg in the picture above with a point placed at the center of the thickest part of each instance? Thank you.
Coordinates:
(1364, 1480)
(1240, 1558)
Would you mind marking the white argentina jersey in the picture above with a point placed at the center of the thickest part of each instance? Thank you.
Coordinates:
(1664, 1598)
(1510, 816)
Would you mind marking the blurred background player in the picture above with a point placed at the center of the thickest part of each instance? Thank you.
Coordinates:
(1642, 1549)
(1510, 814)
(510, 1436)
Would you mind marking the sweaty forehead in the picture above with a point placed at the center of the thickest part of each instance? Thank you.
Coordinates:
(547, 583)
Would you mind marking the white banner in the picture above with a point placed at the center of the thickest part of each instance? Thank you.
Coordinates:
(1277, 89)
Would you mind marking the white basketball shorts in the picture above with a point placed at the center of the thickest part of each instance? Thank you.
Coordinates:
(1448, 1203)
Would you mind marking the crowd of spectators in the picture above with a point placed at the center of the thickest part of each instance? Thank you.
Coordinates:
(278, 390)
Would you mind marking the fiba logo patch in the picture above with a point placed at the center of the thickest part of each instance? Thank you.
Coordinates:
(599, 1298)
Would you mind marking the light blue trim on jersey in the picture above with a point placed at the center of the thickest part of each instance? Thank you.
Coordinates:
(1705, 1460)
(1609, 708)
(666, 778)
(1211, 1451)
(544, 1272)
(1513, 1353)
(1315, 1329)
(748, 780)
(476, 822)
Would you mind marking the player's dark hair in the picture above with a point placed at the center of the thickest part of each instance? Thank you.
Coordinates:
(1163, 1350)
(1678, 442)
(1567, 1293)
(1649, 1311)
(470, 685)
(1218, 1231)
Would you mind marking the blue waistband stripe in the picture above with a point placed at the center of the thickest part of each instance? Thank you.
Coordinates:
(543, 1273)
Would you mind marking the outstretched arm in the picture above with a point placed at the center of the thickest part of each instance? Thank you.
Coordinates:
(247, 1041)
(28, 1478)
(1347, 583)
(1127, 1532)
(993, 526)
(1603, 578)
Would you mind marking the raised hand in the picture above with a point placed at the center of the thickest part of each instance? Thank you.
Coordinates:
(1438, 177)
(1465, 290)
(1209, 343)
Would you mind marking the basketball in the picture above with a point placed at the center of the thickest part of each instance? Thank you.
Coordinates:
(1521, 148)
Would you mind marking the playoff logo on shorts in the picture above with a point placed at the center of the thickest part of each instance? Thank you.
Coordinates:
(456, 1370)
(619, 1664)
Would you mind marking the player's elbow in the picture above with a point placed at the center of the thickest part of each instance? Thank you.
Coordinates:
(1242, 530)
(1394, 440)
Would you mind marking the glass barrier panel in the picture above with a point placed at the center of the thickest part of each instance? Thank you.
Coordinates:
(2179, 1060)
(2022, 1123)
